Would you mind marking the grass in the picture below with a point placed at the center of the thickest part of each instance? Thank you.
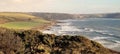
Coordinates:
(13, 16)
(16, 15)
(21, 25)
(41, 21)
(20, 20)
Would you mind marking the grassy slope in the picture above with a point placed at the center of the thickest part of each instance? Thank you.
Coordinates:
(20, 20)
(16, 15)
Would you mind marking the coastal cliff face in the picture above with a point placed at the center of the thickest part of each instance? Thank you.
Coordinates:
(59, 16)
(53, 16)
(35, 42)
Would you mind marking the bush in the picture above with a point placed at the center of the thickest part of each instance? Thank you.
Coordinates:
(34, 42)
(9, 43)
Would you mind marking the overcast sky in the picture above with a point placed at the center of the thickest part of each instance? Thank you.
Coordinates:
(60, 6)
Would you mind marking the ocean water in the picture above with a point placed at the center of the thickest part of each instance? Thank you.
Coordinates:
(103, 30)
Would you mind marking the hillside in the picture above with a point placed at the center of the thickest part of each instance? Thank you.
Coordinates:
(101, 15)
(53, 16)
(59, 16)
(17, 20)
(34, 42)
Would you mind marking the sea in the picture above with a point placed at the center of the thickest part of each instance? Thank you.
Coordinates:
(105, 31)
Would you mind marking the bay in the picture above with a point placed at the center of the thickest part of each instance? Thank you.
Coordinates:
(103, 30)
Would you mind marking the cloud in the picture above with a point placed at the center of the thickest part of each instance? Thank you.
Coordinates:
(18, 1)
(58, 5)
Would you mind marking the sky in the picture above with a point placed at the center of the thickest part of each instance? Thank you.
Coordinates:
(60, 6)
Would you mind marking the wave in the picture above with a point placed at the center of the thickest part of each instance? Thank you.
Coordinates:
(94, 30)
(48, 32)
(69, 28)
(102, 41)
(104, 33)
(98, 38)
(112, 44)
(117, 41)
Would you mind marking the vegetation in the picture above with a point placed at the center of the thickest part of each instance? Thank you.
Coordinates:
(62, 16)
(21, 20)
(35, 42)
(23, 24)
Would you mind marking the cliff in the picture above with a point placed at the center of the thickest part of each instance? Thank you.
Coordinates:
(35, 42)
(53, 16)
(59, 16)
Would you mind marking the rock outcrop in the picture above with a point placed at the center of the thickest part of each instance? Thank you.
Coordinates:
(35, 42)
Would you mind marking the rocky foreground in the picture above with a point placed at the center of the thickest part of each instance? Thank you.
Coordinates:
(35, 42)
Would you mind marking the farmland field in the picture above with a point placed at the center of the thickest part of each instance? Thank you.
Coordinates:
(21, 21)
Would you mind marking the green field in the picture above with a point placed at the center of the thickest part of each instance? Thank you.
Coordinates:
(20, 21)
(20, 25)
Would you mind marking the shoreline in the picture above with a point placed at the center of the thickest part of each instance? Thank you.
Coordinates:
(44, 27)
(114, 52)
